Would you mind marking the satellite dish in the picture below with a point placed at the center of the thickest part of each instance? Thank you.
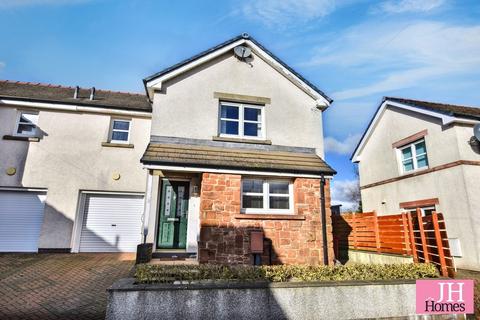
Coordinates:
(242, 52)
(476, 131)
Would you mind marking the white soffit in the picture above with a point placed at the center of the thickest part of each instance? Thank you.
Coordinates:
(446, 120)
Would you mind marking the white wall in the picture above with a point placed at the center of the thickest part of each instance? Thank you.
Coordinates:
(186, 107)
(456, 188)
(68, 158)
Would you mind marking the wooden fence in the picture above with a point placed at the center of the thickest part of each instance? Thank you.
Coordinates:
(423, 238)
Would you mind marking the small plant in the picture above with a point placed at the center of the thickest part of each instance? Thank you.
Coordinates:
(146, 273)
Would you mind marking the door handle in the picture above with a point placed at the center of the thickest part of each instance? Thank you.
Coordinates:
(173, 219)
(114, 225)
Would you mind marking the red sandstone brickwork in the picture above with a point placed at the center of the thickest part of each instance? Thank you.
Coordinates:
(225, 239)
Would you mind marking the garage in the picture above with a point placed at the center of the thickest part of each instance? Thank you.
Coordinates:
(21, 218)
(111, 223)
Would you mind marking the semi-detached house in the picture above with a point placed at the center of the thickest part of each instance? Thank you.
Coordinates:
(224, 146)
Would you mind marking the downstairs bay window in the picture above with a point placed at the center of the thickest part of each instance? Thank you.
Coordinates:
(269, 196)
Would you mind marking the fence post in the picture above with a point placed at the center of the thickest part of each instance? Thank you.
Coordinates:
(405, 233)
(422, 236)
(438, 238)
(354, 230)
(412, 238)
(377, 234)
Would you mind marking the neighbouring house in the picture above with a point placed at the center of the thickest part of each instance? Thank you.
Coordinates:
(71, 178)
(419, 154)
(224, 147)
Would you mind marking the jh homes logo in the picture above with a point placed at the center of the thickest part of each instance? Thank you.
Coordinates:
(444, 296)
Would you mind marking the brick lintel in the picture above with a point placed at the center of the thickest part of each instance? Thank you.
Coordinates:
(410, 139)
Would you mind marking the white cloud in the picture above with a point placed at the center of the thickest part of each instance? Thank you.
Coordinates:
(341, 193)
(4, 4)
(2, 65)
(275, 13)
(341, 147)
(409, 6)
(415, 52)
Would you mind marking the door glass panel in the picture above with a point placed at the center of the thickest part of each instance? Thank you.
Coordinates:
(168, 200)
(180, 202)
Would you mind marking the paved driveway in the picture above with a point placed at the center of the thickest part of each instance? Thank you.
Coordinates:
(58, 286)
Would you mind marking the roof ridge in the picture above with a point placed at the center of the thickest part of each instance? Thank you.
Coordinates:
(50, 85)
(434, 102)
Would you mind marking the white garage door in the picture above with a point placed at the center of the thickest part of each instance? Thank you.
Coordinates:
(111, 223)
(21, 218)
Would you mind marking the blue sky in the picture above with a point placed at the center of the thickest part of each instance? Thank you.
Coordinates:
(355, 50)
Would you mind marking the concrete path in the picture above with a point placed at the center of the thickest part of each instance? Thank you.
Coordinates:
(59, 286)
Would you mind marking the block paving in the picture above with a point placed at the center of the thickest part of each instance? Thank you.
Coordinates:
(59, 286)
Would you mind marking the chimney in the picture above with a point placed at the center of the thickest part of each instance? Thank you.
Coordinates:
(75, 94)
(92, 93)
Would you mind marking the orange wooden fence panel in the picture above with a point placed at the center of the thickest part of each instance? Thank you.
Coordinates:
(424, 238)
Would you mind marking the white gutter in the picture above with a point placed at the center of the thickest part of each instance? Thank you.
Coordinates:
(229, 171)
(73, 108)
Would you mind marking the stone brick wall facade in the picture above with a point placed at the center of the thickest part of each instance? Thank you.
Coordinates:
(225, 232)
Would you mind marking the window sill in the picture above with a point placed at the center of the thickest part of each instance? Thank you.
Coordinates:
(20, 138)
(117, 145)
(263, 216)
(241, 140)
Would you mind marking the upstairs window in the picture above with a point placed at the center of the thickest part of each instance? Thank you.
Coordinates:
(413, 156)
(267, 196)
(26, 124)
(426, 211)
(120, 131)
(241, 120)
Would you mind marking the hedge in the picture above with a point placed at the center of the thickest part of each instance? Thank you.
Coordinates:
(147, 273)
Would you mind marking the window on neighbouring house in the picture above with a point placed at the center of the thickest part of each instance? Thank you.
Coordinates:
(26, 123)
(267, 196)
(413, 156)
(120, 131)
(426, 211)
(241, 120)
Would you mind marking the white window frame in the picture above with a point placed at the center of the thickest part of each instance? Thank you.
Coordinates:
(18, 123)
(422, 209)
(120, 130)
(241, 121)
(414, 156)
(266, 197)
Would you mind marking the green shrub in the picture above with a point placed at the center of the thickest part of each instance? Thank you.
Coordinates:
(146, 273)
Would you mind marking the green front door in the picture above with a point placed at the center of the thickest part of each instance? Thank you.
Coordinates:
(172, 229)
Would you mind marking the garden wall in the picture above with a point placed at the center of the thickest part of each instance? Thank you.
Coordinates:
(292, 300)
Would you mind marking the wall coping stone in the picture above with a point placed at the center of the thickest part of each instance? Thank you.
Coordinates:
(128, 284)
